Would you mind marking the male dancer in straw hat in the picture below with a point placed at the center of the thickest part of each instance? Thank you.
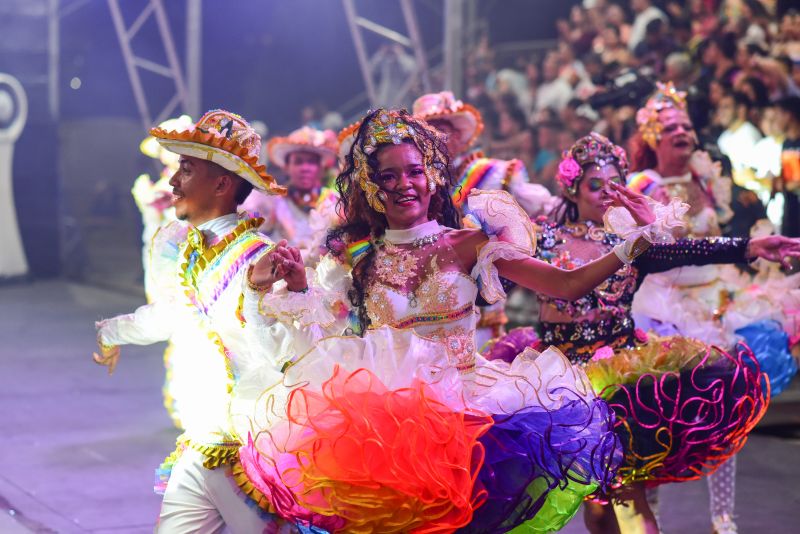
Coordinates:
(303, 216)
(218, 169)
(463, 124)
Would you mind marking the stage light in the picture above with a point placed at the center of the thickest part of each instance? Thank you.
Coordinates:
(75, 83)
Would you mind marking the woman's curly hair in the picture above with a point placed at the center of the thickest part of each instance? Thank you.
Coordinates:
(360, 221)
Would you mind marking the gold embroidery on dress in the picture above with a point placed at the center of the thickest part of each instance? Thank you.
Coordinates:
(395, 266)
(460, 346)
(379, 306)
(432, 294)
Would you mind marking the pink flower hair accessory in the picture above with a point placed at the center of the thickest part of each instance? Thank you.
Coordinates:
(568, 171)
(590, 149)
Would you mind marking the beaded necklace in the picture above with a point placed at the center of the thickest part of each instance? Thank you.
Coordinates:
(589, 231)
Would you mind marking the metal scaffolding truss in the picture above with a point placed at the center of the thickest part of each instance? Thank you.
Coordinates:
(186, 85)
(412, 41)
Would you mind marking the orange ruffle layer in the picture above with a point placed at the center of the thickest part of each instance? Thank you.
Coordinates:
(384, 461)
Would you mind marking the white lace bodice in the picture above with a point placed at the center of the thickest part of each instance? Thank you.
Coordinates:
(426, 289)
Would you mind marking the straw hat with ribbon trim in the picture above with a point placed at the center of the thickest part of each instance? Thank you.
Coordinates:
(443, 106)
(225, 139)
(346, 138)
(306, 139)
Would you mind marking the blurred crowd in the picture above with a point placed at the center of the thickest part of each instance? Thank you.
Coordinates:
(737, 60)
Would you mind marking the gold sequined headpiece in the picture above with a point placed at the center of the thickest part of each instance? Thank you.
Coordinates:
(393, 127)
(666, 97)
(592, 148)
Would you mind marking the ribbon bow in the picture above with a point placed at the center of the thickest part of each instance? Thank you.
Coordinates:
(196, 240)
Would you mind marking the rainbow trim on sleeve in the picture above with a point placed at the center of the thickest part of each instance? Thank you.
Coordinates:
(357, 249)
(472, 178)
(641, 183)
(208, 274)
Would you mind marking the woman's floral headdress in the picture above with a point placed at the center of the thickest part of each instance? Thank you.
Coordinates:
(394, 127)
(666, 97)
(593, 148)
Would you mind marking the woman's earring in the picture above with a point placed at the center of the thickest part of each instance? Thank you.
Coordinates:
(431, 185)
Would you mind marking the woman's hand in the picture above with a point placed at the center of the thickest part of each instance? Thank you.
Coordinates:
(294, 271)
(775, 248)
(282, 263)
(638, 205)
(269, 269)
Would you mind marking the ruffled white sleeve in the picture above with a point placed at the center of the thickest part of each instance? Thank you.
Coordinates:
(511, 237)
(320, 220)
(668, 219)
(149, 324)
(324, 304)
(163, 260)
(152, 322)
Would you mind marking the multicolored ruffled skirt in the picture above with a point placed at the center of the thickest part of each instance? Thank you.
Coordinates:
(729, 306)
(381, 434)
(682, 408)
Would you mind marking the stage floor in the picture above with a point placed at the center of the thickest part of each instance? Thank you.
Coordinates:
(80, 447)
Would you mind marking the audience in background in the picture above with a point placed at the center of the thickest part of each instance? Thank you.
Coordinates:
(736, 59)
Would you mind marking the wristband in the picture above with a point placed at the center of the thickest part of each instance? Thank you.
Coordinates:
(255, 287)
(630, 249)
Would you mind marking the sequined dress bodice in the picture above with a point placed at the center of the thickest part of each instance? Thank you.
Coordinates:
(559, 245)
(425, 288)
(603, 316)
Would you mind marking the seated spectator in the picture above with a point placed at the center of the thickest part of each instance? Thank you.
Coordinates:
(754, 89)
(616, 17)
(757, 22)
(610, 46)
(555, 91)
(543, 170)
(678, 70)
(656, 45)
(739, 135)
(645, 13)
(789, 180)
(718, 56)
(765, 160)
(746, 206)
(512, 82)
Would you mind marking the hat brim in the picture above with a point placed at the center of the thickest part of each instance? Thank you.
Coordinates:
(224, 152)
(346, 138)
(279, 149)
(466, 120)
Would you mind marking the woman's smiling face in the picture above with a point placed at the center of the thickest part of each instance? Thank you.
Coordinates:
(404, 185)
